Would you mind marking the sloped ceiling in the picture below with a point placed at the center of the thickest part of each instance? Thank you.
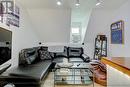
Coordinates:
(33, 4)
(52, 22)
(111, 4)
(51, 4)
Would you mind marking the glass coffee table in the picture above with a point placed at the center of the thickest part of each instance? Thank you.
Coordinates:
(78, 74)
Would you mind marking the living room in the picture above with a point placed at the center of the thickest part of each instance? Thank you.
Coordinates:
(44, 23)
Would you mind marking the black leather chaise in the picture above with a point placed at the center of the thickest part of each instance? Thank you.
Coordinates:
(31, 75)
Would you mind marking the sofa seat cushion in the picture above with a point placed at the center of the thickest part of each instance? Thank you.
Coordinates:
(75, 59)
(35, 71)
(62, 54)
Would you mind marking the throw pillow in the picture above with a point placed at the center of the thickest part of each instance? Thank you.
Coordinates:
(44, 55)
(27, 56)
(30, 56)
(22, 59)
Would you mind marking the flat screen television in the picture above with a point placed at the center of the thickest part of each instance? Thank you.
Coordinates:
(5, 45)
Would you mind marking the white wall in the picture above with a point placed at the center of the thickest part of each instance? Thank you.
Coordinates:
(117, 78)
(85, 22)
(52, 25)
(22, 37)
(122, 13)
(100, 24)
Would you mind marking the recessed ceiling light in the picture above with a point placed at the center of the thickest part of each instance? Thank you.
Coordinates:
(59, 2)
(98, 2)
(77, 3)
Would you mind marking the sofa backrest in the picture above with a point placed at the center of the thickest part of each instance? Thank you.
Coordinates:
(30, 55)
(75, 51)
(62, 54)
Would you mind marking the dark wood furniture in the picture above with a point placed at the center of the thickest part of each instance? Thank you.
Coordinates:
(100, 73)
(100, 47)
(120, 63)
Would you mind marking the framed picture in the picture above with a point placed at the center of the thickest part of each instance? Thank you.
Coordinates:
(117, 32)
(7, 6)
(9, 13)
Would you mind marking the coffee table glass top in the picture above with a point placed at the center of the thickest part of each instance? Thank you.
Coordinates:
(76, 65)
(81, 65)
(79, 73)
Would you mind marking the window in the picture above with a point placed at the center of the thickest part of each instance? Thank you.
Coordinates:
(75, 36)
(75, 30)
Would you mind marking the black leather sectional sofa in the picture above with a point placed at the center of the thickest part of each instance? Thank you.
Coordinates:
(35, 63)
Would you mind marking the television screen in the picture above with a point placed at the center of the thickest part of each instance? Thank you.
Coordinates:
(5, 45)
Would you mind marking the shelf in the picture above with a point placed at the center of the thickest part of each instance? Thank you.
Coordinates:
(78, 78)
(83, 82)
(63, 82)
(76, 82)
(64, 78)
(100, 47)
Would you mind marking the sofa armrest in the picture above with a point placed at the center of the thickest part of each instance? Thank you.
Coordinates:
(86, 58)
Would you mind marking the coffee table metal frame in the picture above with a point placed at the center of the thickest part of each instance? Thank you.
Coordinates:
(85, 71)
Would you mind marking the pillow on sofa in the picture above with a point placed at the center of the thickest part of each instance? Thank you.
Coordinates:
(75, 52)
(43, 53)
(30, 59)
(30, 53)
(22, 59)
(62, 54)
(27, 56)
(31, 56)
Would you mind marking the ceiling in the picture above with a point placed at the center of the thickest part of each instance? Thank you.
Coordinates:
(33, 4)
(38, 8)
(110, 4)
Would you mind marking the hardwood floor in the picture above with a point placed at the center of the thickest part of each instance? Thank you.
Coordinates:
(50, 83)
